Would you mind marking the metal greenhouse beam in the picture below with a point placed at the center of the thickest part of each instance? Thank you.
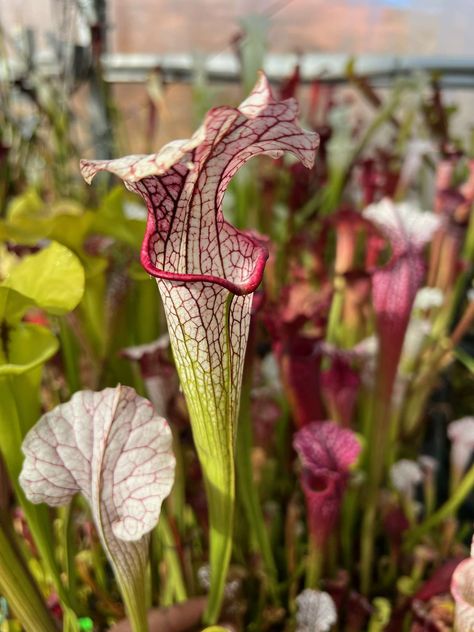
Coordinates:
(224, 67)
(453, 72)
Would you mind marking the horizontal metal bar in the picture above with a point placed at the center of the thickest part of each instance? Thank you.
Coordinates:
(454, 72)
(125, 68)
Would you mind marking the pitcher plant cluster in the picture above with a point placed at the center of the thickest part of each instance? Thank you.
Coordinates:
(278, 434)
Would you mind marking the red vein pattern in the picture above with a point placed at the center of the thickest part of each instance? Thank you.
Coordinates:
(211, 344)
(111, 447)
(187, 237)
(206, 271)
(196, 255)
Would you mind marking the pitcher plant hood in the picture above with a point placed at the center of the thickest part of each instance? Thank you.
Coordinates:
(187, 238)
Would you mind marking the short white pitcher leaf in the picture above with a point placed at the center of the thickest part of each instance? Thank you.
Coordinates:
(111, 447)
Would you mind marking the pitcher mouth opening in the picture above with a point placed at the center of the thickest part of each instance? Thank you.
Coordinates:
(238, 286)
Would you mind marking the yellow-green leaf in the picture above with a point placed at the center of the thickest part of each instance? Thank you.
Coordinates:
(53, 278)
(28, 346)
(13, 305)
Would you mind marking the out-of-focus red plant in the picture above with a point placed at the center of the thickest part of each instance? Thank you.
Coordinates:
(394, 285)
(327, 453)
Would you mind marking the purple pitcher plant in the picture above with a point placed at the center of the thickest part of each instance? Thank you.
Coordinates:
(394, 288)
(327, 453)
(206, 271)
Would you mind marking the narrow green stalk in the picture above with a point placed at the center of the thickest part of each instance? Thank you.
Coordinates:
(98, 563)
(429, 492)
(367, 542)
(378, 435)
(70, 356)
(331, 195)
(348, 518)
(68, 549)
(92, 313)
(246, 485)
(145, 302)
(468, 249)
(13, 427)
(135, 604)
(21, 592)
(129, 573)
(445, 511)
(171, 557)
(291, 520)
(70, 621)
(221, 523)
(335, 312)
(177, 498)
(314, 564)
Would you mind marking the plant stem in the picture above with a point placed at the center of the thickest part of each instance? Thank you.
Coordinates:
(129, 566)
(349, 514)
(221, 523)
(378, 434)
(135, 605)
(20, 590)
(68, 549)
(291, 520)
(246, 485)
(314, 565)
(445, 511)
(367, 541)
(172, 560)
(70, 356)
(335, 313)
(15, 420)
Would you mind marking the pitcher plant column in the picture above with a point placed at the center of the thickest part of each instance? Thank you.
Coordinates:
(206, 272)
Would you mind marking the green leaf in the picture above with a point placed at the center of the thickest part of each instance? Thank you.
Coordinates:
(19, 409)
(53, 278)
(29, 218)
(13, 305)
(71, 230)
(111, 220)
(20, 590)
(28, 347)
(464, 358)
(27, 204)
(26, 221)
(246, 486)
(175, 579)
(9, 232)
